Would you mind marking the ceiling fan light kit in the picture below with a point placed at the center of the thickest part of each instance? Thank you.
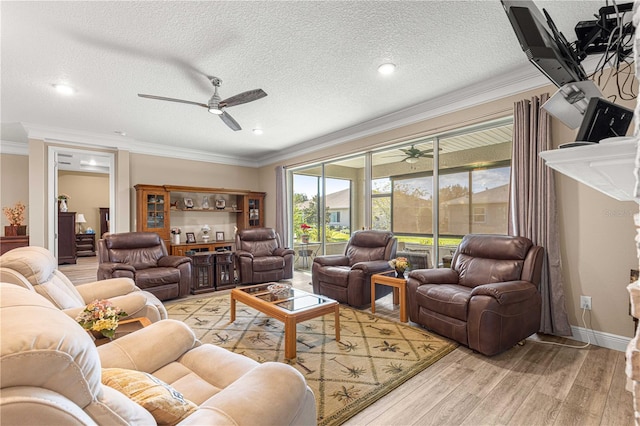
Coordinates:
(216, 105)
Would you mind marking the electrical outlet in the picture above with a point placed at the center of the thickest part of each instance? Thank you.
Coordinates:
(585, 302)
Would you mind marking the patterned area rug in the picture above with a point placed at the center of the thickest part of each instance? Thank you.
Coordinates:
(373, 357)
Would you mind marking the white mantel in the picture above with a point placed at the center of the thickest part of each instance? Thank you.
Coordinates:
(607, 166)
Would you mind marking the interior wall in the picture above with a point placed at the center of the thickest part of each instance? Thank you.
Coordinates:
(14, 184)
(87, 193)
(596, 231)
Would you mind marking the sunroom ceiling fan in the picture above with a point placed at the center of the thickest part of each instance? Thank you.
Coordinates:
(216, 105)
(413, 154)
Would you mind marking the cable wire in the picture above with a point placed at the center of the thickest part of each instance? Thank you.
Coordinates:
(584, 310)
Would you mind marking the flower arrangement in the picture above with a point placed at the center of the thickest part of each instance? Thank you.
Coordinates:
(176, 231)
(304, 238)
(15, 214)
(101, 316)
(400, 264)
(64, 197)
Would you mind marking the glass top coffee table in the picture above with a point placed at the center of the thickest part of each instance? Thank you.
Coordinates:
(295, 307)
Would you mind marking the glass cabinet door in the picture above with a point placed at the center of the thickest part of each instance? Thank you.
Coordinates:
(254, 212)
(155, 211)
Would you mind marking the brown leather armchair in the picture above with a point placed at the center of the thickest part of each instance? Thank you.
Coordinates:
(347, 278)
(143, 257)
(261, 258)
(488, 300)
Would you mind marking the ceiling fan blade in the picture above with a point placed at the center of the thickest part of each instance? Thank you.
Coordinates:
(229, 121)
(162, 98)
(243, 98)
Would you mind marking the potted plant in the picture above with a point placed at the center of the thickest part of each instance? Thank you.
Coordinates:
(400, 264)
(15, 216)
(176, 235)
(62, 202)
(304, 238)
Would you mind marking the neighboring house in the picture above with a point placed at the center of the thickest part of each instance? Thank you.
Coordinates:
(338, 206)
(483, 212)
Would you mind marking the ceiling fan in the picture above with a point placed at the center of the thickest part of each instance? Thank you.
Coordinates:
(413, 154)
(216, 105)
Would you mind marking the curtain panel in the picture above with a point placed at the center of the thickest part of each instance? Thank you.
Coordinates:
(532, 206)
(282, 203)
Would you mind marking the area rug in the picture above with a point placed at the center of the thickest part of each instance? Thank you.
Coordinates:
(373, 357)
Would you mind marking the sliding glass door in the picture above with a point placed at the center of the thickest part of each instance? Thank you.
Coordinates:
(323, 214)
(429, 192)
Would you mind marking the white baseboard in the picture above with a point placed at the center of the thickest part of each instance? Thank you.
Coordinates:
(600, 338)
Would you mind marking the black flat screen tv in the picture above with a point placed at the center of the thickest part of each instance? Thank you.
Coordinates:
(544, 45)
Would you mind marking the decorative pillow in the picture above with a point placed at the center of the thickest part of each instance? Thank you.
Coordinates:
(165, 404)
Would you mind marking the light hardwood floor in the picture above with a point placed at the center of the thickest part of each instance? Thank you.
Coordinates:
(534, 384)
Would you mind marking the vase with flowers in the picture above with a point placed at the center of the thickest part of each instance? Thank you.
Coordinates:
(304, 238)
(15, 216)
(400, 264)
(175, 233)
(62, 202)
(101, 317)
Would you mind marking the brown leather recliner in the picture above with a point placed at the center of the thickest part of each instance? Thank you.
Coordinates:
(488, 300)
(347, 278)
(261, 258)
(143, 257)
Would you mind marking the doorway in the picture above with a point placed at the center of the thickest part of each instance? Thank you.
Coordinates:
(82, 167)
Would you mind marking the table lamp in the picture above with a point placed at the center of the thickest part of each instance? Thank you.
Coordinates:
(79, 221)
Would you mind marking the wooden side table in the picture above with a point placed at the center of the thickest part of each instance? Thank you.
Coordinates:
(125, 327)
(399, 291)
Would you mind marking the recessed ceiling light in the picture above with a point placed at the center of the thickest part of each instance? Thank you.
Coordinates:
(64, 89)
(258, 131)
(387, 68)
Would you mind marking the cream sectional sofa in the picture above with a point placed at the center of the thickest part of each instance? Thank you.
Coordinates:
(52, 373)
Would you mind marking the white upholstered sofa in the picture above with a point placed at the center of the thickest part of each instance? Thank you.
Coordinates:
(36, 269)
(52, 373)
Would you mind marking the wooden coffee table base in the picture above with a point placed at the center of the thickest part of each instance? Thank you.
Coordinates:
(289, 318)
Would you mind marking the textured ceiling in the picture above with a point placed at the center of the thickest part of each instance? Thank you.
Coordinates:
(316, 60)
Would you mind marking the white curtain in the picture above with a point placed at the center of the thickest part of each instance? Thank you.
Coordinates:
(532, 206)
(282, 203)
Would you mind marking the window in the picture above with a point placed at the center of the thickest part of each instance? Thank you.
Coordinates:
(381, 204)
(429, 191)
(479, 215)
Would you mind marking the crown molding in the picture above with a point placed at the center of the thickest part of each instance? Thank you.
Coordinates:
(110, 142)
(15, 148)
(519, 80)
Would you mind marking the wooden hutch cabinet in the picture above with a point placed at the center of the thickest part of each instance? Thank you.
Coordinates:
(152, 210)
(155, 204)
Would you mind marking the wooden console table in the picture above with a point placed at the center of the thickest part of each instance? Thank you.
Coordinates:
(183, 248)
(8, 243)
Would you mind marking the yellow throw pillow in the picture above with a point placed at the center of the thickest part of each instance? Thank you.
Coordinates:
(165, 404)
